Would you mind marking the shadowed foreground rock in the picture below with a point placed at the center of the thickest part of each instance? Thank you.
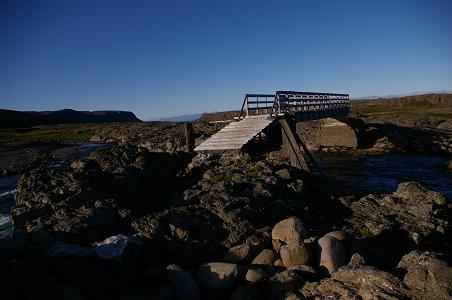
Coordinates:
(220, 226)
(412, 216)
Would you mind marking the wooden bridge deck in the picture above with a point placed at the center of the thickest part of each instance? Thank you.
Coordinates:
(236, 134)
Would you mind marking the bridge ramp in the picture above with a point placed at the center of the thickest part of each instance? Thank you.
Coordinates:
(236, 134)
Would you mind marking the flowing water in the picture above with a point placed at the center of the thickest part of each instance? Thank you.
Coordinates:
(8, 186)
(382, 173)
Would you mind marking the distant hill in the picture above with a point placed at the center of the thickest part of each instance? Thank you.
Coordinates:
(19, 119)
(181, 118)
(416, 103)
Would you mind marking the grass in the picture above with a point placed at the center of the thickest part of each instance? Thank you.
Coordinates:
(49, 133)
(253, 171)
(221, 177)
(379, 111)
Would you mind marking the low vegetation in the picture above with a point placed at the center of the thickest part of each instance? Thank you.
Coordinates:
(49, 133)
(435, 105)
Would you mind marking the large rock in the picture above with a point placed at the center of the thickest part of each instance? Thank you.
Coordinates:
(427, 276)
(218, 275)
(288, 231)
(183, 283)
(363, 282)
(295, 254)
(240, 254)
(332, 254)
(266, 257)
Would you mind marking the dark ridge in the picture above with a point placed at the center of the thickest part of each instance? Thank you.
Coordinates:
(19, 119)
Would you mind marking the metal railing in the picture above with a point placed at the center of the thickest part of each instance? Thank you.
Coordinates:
(314, 105)
(257, 104)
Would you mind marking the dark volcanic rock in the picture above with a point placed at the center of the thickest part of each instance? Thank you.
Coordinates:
(426, 275)
(98, 198)
(363, 282)
(412, 216)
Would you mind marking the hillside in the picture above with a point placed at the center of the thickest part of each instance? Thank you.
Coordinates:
(20, 119)
(433, 104)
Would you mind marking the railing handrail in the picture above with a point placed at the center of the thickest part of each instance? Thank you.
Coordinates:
(286, 101)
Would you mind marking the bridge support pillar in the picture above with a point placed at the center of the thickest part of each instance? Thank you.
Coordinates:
(291, 146)
(189, 137)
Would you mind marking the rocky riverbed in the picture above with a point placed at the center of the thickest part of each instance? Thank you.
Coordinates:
(151, 221)
(218, 226)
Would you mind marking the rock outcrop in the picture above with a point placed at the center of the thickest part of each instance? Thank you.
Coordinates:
(427, 276)
(363, 282)
(412, 216)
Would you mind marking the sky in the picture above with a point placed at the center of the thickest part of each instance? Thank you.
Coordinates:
(167, 58)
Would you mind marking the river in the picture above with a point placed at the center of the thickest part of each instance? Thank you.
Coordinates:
(382, 173)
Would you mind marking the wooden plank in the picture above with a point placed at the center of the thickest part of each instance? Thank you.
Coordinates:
(236, 134)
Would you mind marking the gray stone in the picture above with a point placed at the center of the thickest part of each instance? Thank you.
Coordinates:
(332, 255)
(266, 257)
(288, 231)
(183, 283)
(295, 254)
(218, 275)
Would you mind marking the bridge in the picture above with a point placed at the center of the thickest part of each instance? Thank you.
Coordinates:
(260, 110)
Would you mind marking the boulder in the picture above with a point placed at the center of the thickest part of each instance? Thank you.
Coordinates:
(183, 283)
(288, 231)
(426, 275)
(240, 254)
(332, 254)
(295, 254)
(255, 274)
(218, 275)
(266, 257)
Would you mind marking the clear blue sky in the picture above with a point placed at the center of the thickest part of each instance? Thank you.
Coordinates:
(163, 58)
